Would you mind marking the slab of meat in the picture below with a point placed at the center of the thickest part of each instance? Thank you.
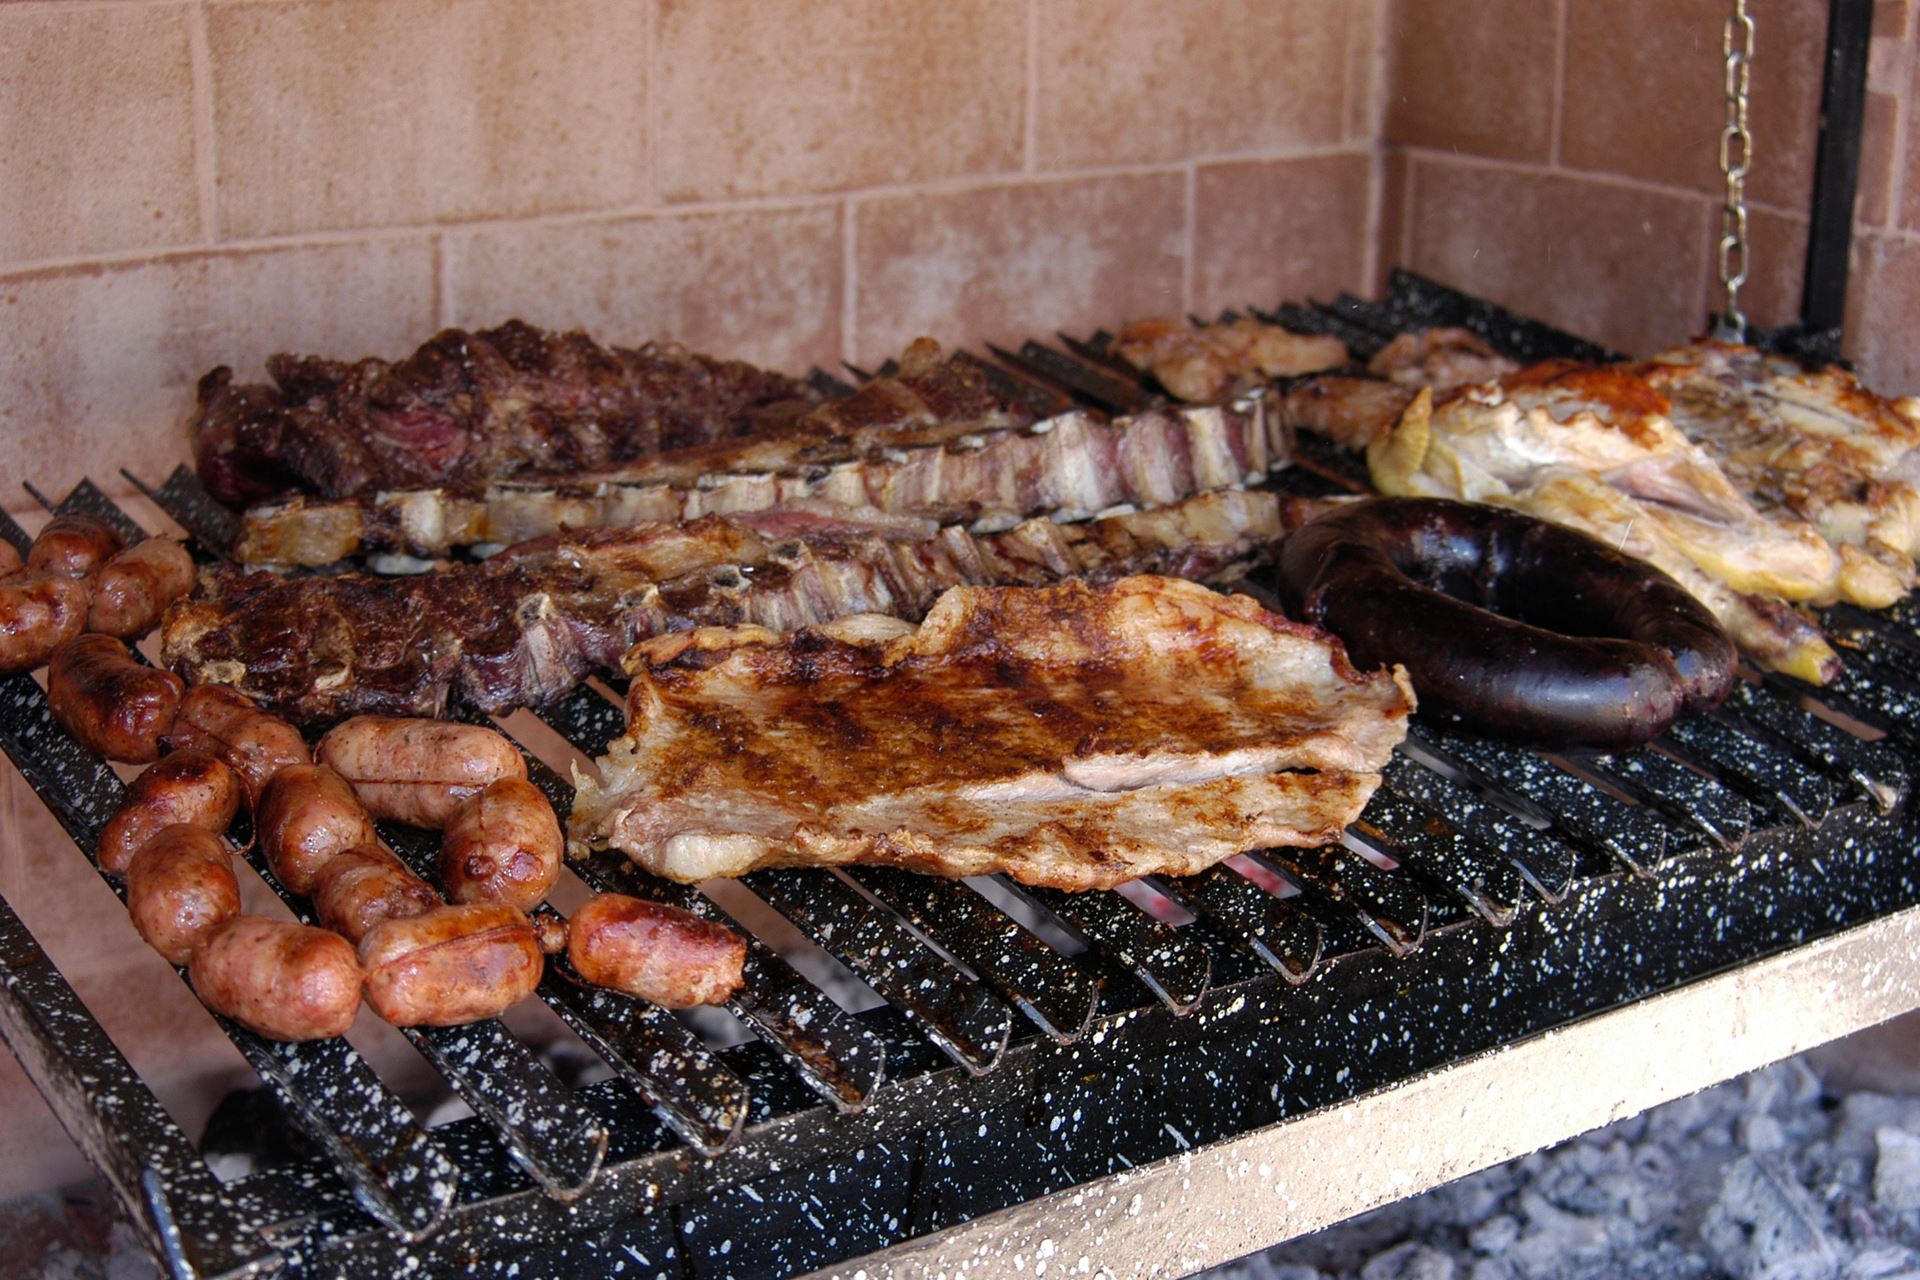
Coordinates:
(982, 465)
(471, 406)
(529, 624)
(1205, 363)
(1353, 410)
(1813, 443)
(1594, 447)
(1072, 736)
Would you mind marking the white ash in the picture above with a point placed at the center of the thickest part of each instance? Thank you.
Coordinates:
(1769, 1176)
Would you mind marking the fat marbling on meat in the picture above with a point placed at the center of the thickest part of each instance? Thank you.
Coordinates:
(1074, 736)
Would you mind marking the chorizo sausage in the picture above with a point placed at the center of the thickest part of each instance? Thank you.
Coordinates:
(136, 586)
(180, 886)
(184, 786)
(360, 887)
(74, 546)
(39, 612)
(1521, 628)
(418, 771)
(279, 980)
(655, 951)
(504, 845)
(115, 706)
(307, 815)
(450, 965)
(255, 745)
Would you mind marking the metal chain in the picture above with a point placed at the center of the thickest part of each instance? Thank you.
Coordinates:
(1736, 152)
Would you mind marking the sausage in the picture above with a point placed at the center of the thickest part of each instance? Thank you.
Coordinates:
(180, 886)
(136, 586)
(450, 965)
(657, 952)
(360, 887)
(115, 706)
(418, 771)
(307, 815)
(255, 745)
(504, 845)
(39, 612)
(1518, 627)
(184, 786)
(279, 980)
(74, 546)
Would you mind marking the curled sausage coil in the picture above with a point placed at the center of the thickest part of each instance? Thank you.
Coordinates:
(1518, 627)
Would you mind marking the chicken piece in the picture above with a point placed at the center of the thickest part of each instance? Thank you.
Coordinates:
(1204, 363)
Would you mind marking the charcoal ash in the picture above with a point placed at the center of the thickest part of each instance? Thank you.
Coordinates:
(1772, 1176)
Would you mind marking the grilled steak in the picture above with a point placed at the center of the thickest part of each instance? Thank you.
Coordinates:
(1071, 736)
(472, 406)
(527, 625)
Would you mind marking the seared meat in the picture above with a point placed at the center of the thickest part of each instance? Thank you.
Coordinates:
(1810, 442)
(1352, 411)
(1205, 363)
(1442, 358)
(528, 625)
(1070, 736)
(473, 406)
(1593, 447)
(986, 469)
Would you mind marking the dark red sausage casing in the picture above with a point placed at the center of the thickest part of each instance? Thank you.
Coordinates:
(74, 546)
(1520, 628)
(115, 706)
(39, 612)
(655, 951)
(185, 786)
(255, 745)
(307, 815)
(452, 965)
(136, 586)
(279, 980)
(360, 887)
(418, 771)
(180, 886)
(504, 845)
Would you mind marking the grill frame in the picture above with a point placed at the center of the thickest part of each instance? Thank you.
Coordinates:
(1624, 902)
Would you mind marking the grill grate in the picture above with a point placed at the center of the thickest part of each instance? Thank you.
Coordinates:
(1302, 979)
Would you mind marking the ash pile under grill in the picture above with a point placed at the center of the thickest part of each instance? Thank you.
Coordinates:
(1769, 1175)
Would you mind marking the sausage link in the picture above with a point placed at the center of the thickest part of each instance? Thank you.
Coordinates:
(185, 786)
(418, 771)
(74, 546)
(279, 980)
(255, 745)
(136, 586)
(39, 612)
(115, 706)
(504, 845)
(451, 965)
(657, 952)
(180, 886)
(358, 888)
(307, 815)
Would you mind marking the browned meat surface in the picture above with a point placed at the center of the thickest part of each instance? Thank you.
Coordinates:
(1073, 736)
(472, 406)
(1442, 358)
(1203, 363)
(526, 626)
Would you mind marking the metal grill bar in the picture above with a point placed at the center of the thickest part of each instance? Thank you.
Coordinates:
(183, 498)
(1872, 769)
(1397, 827)
(1390, 910)
(1542, 860)
(1766, 775)
(1285, 937)
(1677, 791)
(1084, 381)
(1173, 967)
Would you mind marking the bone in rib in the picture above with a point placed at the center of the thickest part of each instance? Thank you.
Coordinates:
(529, 624)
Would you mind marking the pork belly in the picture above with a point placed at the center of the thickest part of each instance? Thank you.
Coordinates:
(1074, 736)
(528, 625)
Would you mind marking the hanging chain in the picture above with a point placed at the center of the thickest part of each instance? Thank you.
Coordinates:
(1736, 152)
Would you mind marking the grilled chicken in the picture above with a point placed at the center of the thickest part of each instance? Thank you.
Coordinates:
(1594, 447)
(1811, 443)
(1070, 736)
(526, 626)
(1352, 411)
(1202, 364)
